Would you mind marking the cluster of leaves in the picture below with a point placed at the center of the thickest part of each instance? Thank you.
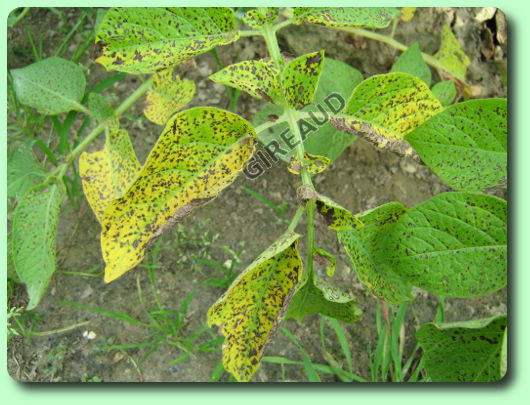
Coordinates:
(453, 245)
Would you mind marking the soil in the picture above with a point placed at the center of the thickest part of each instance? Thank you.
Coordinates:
(363, 177)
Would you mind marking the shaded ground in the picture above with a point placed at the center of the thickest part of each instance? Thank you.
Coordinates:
(362, 178)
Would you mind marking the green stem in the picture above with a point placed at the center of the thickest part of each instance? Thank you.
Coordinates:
(250, 33)
(292, 119)
(20, 16)
(310, 209)
(269, 34)
(124, 106)
(429, 59)
(267, 125)
(296, 219)
(55, 331)
(283, 24)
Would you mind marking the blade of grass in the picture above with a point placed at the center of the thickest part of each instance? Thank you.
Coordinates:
(278, 210)
(310, 371)
(42, 146)
(395, 351)
(217, 372)
(60, 49)
(113, 314)
(323, 368)
(343, 341)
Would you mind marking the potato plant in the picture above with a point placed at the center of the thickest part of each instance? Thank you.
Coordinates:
(453, 245)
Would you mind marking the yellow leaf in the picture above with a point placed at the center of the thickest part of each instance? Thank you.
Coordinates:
(168, 95)
(106, 174)
(251, 309)
(385, 108)
(200, 152)
(314, 164)
(407, 13)
(451, 54)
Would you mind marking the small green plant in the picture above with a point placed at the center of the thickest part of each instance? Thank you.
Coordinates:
(166, 326)
(453, 245)
(85, 378)
(55, 358)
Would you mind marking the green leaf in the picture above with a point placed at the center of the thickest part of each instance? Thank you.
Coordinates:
(168, 95)
(256, 18)
(99, 107)
(466, 144)
(108, 173)
(468, 351)
(256, 77)
(33, 238)
(250, 311)
(299, 79)
(52, 85)
(368, 17)
(148, 39)
(366, 252)
(199, 153)
(384, 108)
(453, 245)
(315, 296)
(336, 83)
(445, 91)
(411, 62)
(23, 172)
(451, 55)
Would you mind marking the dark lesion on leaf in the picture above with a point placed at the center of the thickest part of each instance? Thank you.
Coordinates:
(179, 214)
(99, 49)
(398, 146)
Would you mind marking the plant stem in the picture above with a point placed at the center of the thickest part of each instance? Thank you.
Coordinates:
(292, 116)
(269, 34)
(250, 33)
(267, 125)
(124, 106)
(283, 24)
(61, 330)
(429, 59)
(294, 222)
(292, 119)
(310, 210)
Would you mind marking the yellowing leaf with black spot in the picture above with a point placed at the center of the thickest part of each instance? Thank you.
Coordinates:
(258, 17)
(299, 79)
(168, 95)
(407, 13)
(368, 17)
(451, 54)
(314, 164)
(384, 108)
(148, 39)
(108, 173)
(200, 152)
(336, 217)
(256, 77)
(250, 311)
